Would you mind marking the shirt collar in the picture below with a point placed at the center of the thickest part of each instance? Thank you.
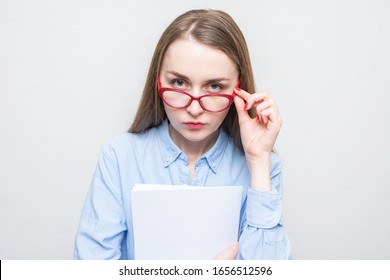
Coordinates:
(215, 154)
(171, 152)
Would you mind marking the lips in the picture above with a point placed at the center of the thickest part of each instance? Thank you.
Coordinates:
(194, 125)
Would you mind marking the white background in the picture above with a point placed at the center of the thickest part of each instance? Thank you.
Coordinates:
(71, 75)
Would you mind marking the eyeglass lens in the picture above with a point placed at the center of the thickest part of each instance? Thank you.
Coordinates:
(211, 103)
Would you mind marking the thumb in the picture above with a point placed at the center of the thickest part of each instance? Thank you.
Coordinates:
(240, 107)
(230, 253)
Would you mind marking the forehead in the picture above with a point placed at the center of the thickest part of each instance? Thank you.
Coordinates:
(198, 61)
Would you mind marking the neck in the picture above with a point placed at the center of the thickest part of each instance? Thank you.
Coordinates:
(193, 149)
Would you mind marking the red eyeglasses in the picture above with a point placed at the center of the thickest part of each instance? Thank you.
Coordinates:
(209, 102)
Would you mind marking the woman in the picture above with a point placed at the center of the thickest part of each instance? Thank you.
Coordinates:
(188, 131)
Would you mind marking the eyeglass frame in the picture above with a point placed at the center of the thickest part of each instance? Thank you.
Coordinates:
(161, 90)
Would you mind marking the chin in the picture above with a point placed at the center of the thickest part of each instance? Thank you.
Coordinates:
(195, 136)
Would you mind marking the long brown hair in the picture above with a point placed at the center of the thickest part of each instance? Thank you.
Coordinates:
(215, 29)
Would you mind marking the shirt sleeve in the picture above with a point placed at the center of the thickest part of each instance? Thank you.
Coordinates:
(102, 225)
(261, 234)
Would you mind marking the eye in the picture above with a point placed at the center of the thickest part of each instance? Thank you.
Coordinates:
(178, 83)
(216, 87)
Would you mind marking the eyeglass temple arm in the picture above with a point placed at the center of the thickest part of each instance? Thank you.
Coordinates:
(158, 82)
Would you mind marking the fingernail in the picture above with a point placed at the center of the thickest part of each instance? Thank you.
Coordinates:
(246, 106)
(237, 88)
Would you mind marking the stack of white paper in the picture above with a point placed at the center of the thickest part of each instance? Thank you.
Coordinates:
(184, 222)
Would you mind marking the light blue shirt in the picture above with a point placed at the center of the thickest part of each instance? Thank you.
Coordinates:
(106, 228)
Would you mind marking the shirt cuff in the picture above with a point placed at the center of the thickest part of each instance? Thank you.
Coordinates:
(264, 209)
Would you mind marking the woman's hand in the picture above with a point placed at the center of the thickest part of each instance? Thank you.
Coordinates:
(258, 135)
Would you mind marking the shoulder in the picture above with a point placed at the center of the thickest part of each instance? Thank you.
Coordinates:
(125, 142)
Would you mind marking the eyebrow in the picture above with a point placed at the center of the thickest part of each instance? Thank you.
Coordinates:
(181, 76)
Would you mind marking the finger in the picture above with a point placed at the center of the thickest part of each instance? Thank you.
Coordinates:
(258, 98)
(262, 118)
(242, 93)
(271, 115)
(230, 253)
(260, 108)
(269, 103)
(263, 105)
(240, 107)
(278, 117)
(252, 98)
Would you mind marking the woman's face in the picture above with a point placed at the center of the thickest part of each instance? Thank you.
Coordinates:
(198, 70)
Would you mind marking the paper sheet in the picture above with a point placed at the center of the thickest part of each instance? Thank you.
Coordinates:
(184, 222)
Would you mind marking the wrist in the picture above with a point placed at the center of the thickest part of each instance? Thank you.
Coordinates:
(258, 160)
(260, 173)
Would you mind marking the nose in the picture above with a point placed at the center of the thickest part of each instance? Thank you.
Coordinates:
(195, 109)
